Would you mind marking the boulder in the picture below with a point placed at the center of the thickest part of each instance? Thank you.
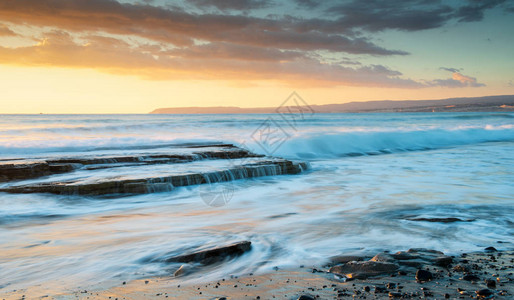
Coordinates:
(213, 255)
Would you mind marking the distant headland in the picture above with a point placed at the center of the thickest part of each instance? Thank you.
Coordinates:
(470, 104)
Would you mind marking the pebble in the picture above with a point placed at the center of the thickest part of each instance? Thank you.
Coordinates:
(422, 275)
(490, 283)
(485, 293)
(471, 277)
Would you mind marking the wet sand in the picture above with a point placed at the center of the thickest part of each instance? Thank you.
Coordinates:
(484, 275)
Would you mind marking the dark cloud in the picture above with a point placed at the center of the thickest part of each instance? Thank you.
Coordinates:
(229, 41)
(308, 3)
(377, 15)
(474, 11)
(233, 4)
(453, 70)
(409, 15)
(182, 28)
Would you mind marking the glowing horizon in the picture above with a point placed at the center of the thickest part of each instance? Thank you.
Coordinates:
(107, 56)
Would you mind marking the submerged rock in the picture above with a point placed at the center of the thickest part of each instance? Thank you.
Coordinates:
(439, 220)
(214, 255)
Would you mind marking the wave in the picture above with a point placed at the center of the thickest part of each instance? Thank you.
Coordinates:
(341, 144)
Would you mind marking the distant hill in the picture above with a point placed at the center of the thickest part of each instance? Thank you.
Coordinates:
(471, 104)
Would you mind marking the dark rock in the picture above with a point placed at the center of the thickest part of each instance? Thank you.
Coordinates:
(439, 220)
(415, 263)
(447, 296)
(490, 283)
(485, 293)
(213, 255)
(461, 268)
(491, 249)
(161, 184)
(383, 257)
(470, 277)
(342, 259)
(391, 285)
(402, 255)
(305, 297)
(423, 275)
(443, 261)
(364, 269)
(424, 250)
(395, 295)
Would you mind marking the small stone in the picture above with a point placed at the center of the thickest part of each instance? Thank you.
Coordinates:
(490, 283)
(422, 275)
(491, 249)
(447, 296)
(395, 295)
(470, 277)
(367, 289)
(443, 261)
(460, 268)
(485, 293)
(391, 286)
(305, 297)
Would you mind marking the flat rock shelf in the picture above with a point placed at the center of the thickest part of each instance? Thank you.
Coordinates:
(154, 170)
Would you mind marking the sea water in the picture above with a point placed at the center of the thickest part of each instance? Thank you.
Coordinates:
(371, 176)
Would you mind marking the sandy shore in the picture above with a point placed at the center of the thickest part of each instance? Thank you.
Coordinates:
(484, 275)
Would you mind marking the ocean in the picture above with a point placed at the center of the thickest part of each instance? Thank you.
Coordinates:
(370, 182)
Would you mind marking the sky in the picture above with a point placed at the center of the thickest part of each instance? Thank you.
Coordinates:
(108, 56)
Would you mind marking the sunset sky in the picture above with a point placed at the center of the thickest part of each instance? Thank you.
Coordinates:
(107, 56)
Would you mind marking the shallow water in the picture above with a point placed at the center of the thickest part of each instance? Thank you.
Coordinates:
(370, 174)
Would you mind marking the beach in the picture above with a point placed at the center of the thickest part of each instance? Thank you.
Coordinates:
(106, 206)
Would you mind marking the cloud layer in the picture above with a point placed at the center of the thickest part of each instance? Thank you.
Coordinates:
(226, 39)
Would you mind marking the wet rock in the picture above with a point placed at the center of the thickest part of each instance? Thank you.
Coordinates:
(423, 275)
(391, 285)
(161, 184)
(305, 297)
(490, 283)
(490, 249)
(364, 269)
(439, 220)
(402, 255)
(461, 268)
(342, 259)
(485, 293)
(416, 263)
(443, 261)
(424, 250)
(383, 257)
(470, 277)
(213, 255)
(395, 295)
